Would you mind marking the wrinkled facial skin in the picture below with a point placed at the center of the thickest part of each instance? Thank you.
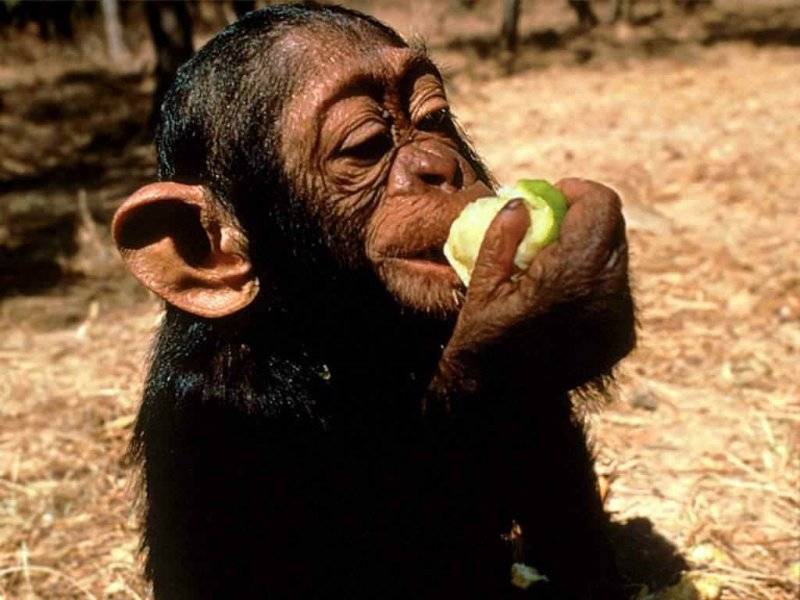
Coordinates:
(370, 137)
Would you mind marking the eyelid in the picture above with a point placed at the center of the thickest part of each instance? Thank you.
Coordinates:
(363, 132)
(427, 106)
(441, 112)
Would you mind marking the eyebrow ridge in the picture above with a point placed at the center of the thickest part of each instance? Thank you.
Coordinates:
(366, 81)
(417, 66)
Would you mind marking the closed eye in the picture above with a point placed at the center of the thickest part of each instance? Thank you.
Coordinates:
(371, 149)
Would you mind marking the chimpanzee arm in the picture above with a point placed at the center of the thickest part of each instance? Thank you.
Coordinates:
(565, 321)
(570, 347)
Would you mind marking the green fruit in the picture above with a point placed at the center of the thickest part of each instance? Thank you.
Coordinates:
(523, 576)
(546, 207)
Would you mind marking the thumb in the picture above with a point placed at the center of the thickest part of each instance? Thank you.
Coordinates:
(495, 262)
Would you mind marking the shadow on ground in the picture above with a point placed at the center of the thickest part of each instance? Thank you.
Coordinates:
(644, 556)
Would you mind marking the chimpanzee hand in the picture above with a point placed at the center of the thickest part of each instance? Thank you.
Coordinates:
(565, 320)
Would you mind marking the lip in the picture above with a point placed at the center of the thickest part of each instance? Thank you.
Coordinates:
(424, 266)
(433, 254)
(431, 260)
(425, 258)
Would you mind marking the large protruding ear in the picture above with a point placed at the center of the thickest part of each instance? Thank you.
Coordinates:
(181, 243)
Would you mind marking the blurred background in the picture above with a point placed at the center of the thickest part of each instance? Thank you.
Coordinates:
(690, 109)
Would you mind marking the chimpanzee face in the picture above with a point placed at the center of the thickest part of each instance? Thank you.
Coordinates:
(369, 139)
(370, 150)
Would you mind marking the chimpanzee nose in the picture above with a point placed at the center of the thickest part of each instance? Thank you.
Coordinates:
(418, 168)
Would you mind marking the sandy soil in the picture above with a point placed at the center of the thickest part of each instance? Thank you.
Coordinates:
(702, 439)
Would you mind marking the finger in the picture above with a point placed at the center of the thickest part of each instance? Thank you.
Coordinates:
(591, 241)
(576, 189)
(495, 262)
(593, 223)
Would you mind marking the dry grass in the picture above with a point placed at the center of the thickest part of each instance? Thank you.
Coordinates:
(68, 397)
(703, 438)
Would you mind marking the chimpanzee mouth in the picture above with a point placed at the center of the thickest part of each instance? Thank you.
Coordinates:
(428, 262)
(434, 254)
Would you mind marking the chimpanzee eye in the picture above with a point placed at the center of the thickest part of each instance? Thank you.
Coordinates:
(434, 121)
(371, 149)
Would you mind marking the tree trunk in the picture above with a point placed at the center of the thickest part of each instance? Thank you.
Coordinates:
(508, 34)
(586, 16)
(242, 7)
(113, 28)
(171, 29)
(623, 9)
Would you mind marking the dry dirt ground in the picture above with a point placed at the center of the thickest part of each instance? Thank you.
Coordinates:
(703, 435)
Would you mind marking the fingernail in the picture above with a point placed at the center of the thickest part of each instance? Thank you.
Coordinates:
(513, 203)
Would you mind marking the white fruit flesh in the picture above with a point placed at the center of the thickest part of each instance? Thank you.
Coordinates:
(469, 228)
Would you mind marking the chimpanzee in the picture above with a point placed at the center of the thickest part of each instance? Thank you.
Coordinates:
(327, 413)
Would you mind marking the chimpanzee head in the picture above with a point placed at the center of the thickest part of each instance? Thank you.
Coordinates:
(303, 143)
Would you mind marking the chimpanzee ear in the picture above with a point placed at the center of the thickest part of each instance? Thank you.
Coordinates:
(183, 245)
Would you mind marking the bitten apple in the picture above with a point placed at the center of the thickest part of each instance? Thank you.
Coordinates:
(546, 206)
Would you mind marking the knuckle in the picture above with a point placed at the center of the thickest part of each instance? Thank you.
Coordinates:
(608, 221)
(567, 183)
(578, 190)
(609, 194)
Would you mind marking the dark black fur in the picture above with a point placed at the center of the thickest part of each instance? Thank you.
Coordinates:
(284, 451)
